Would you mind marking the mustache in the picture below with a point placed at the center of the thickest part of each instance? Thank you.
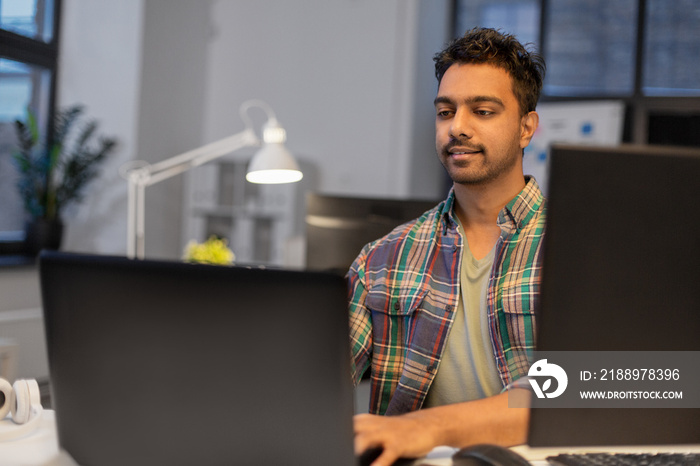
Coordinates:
(461, 143)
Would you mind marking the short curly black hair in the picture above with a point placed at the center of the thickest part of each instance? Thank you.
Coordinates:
(490, 46)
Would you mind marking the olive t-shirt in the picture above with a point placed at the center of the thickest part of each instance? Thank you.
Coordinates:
(468, 369)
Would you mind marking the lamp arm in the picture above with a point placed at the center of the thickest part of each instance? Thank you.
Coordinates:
(168, 168)
(141, 174)
(247, 105)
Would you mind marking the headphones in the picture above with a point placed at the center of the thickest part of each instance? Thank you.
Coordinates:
(23, 400)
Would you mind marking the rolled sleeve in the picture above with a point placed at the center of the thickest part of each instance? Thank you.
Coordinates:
(360, 321)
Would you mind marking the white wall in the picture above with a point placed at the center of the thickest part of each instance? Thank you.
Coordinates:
(335, 79)
(100, 67)
(427, 178)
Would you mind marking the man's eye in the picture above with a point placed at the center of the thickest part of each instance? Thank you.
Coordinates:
(444, 113)
(483, 112)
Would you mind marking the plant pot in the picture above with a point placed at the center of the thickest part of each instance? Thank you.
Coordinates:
(41, 234)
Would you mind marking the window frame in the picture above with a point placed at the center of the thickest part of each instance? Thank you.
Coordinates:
(43, 54)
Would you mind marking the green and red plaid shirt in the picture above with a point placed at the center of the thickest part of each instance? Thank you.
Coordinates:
(404, 289)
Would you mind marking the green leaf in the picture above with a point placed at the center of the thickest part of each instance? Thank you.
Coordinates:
(55, 174)
(33, 127)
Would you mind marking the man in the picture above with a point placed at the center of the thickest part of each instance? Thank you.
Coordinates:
(441, 309)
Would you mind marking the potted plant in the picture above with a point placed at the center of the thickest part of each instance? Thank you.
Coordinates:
(54, 174)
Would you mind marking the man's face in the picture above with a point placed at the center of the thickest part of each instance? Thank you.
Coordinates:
(479, 133)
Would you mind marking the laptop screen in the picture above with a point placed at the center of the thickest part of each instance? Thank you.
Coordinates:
(171, 363)
(621, 271)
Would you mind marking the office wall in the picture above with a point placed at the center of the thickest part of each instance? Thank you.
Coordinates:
(100, 67)
(342, 80)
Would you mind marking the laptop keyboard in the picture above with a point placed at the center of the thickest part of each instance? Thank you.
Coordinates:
(624, 459)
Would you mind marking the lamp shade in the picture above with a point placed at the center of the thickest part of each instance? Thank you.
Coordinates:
(273, 164)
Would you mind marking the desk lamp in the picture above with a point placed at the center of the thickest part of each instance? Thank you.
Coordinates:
(272, 164)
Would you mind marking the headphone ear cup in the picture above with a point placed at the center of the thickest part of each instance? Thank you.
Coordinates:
(5, 397)
(26, 400)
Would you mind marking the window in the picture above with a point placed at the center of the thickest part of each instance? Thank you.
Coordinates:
(518, 17)
(642, 52)
(590, 47)
(671, 48)
(28, 61)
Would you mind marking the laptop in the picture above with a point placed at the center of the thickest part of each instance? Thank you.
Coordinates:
(167, 363)
(621, 272)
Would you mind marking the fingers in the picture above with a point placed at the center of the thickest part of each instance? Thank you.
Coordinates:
(387, 458)
(377, 456)
(386, 433)
(365, 429)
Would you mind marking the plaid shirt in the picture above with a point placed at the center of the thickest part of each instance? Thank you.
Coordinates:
(404, 289)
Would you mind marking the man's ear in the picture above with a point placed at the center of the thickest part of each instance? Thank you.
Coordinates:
(528, 126)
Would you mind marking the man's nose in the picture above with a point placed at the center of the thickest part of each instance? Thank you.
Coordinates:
(461, 125)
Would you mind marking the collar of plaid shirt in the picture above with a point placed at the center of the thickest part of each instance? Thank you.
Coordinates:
(404, 290)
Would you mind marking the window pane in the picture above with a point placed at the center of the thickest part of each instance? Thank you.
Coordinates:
(21, 86)
(590, 47)
(672, 48)
(518, 17)
(30, 18)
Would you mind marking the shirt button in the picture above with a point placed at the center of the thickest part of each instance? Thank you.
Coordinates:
(397, 306)
(449, 308)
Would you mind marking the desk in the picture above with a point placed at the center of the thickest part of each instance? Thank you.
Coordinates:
(39, 447)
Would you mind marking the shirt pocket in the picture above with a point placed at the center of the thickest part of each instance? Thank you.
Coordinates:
(398, 327)
(518, 306)
(398, 302)
(517, 325)
(520, 328)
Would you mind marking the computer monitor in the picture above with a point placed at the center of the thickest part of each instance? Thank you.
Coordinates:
(621, 272)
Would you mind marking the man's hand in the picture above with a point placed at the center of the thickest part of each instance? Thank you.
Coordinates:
(415, 434)
(411, 435)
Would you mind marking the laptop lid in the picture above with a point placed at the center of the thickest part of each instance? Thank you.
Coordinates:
(155, 362)
(621, 272)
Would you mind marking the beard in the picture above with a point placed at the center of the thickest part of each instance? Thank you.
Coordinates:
(482, 168)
